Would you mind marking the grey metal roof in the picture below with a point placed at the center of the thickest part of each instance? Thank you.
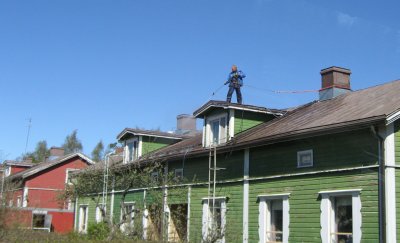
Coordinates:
(371, 104)
(346, 112)
(45, 165)
(152, 133)
(17, 163)
(226, 105)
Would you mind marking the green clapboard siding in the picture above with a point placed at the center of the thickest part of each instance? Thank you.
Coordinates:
(196, 169)
(397, 141)
(359, 148)
(150, 144)
(136, 197)
(92, 207)
(398, 203)
(234, 215)
(304, 202)
(245, 120)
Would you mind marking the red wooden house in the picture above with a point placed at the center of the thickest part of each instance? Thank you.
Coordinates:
(34, 194)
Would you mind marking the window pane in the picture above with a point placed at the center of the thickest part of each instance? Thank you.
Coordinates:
(38, 220)
(215, 131)
(130, 151)
(343, 228)
(274, 234)
(223, 130)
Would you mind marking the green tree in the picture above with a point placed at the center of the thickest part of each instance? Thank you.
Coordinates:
(72, 144)
(41, 151)
(98, 152)
(40, 154)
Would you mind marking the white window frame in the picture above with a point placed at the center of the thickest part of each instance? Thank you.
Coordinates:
(19, 201)
(135, 151)
(206, 219)
(67, 171)
(264, 211)
(176, 172)
(305, 152)
(25, 197)
(99, 216)
(222, 134)
(82, 229)
(129, 224)
(327, 213)
(8, 171)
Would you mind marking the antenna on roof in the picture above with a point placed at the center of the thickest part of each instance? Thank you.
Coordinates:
(27, 136)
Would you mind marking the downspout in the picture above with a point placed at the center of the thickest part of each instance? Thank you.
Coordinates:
(381, 185)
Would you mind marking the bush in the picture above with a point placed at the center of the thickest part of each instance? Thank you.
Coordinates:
(98, 231)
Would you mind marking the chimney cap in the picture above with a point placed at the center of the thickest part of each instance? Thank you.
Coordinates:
(335, 69)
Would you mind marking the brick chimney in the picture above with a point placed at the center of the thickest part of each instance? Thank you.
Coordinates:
(335, 81)
(56, 152)
(185, 124)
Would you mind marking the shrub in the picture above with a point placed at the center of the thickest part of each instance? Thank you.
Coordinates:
(98, 231)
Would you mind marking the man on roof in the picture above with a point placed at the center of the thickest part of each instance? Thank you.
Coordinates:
(235, 80)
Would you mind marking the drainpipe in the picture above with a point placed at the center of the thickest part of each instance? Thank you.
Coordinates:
(381, 184)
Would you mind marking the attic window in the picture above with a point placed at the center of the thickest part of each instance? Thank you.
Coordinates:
(216, 131)
(305, 158)
(131, 149)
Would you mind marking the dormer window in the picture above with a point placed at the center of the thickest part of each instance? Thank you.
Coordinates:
(132, 151)
(216, 131)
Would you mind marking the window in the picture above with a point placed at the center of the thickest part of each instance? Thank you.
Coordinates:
(68, 176)
(341, 216)
(305, 158)
(154, 177)
(41, 220)
(10, 203)
(274, 218)
(214, 219)
(19, 201)
(128, 212)
(179, 174)
(99, 213)
(8, 171)
(131, 150)
(38, 220)
(216, 130)
(83, 218)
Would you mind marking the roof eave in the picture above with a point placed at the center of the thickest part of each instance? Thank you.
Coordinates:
(323, 130)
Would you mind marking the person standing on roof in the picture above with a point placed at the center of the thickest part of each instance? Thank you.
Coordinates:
(235, 80)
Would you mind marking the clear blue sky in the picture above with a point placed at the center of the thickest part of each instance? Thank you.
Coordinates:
(100, 66)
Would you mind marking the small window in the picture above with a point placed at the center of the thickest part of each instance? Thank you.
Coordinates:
(10, 203)
(83, 218)
(214, 219)
(38, 220)
(132, 150)
(179, 174)
(341, 216)
(154, 177)
(99, 214)
(305, 158)
(274, 218)
(19, 201)
(216, 131)
(68, 176)
(127, 216)
(342, 228)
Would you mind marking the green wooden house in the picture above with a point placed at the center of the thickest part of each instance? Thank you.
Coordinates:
(326, 171)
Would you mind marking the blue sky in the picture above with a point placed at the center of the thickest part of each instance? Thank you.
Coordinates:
(100, 66)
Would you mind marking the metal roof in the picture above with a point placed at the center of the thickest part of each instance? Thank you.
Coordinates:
(150, 133)
(45, 165)
(354, 110)
(227, 105)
